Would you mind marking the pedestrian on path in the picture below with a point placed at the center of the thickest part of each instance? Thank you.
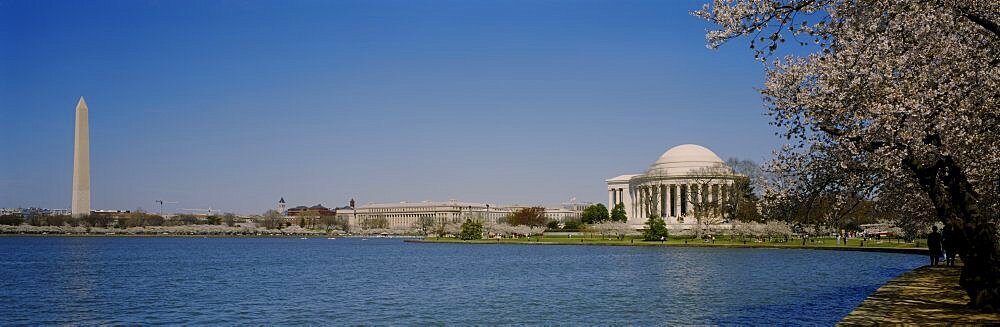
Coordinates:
(949, 241)
(934, 245)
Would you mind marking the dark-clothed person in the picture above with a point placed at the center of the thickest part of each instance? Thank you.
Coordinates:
(934, 245)
(949, 241)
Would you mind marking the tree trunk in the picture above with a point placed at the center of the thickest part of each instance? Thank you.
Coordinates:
(957, 204)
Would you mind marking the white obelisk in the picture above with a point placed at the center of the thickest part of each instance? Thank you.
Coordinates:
(81, 162)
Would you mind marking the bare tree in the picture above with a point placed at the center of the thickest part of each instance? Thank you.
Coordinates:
(271, 219)
(706, 204)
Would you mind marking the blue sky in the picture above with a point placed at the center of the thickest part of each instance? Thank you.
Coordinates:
(233, 104)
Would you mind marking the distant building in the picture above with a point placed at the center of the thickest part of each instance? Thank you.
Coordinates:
(316, 210)
(42, 211)
(11, 211)
(282, 208)
(408, 214)
(561, 214)
(578, 206)
(685, 177)
(59, 212)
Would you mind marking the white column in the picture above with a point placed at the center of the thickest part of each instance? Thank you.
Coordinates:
(633, 209)
(663, 200)
(677, 200)
(729, 191)
(690, 197)
(710, 196)
(645, 202)
(650, 192)
(668, 200)
(700, 195)
(655, 193)
(642, 203)
(659, 200)
(611, 199)
(715, 199)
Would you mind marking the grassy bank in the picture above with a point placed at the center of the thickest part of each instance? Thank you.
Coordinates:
(816, 244)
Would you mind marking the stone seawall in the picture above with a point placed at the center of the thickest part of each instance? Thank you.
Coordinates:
(928, 295)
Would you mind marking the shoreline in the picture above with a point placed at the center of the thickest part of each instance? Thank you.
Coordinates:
(210, 235)
(927, 295)
(901, 250)
(585, 242)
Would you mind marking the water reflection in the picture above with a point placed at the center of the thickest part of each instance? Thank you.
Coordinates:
(384, 281)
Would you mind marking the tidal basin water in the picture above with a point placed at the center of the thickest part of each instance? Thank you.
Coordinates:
(282, 281)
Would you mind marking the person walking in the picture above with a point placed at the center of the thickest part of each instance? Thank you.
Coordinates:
(934, 245)
(949, 241)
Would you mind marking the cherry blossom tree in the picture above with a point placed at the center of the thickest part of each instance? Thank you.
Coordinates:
(894, 96)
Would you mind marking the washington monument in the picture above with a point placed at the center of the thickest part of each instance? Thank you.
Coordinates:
(81, 162)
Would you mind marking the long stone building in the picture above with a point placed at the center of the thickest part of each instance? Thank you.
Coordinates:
(685, 179)
(407, 214)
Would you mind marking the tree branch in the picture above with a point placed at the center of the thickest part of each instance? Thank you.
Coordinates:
(989, 25)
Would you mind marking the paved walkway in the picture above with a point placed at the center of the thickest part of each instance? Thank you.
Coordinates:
(926, 295)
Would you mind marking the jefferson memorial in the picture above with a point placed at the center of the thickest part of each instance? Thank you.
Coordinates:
(686, 184)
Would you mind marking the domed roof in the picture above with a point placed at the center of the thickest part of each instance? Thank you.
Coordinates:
(686, 159)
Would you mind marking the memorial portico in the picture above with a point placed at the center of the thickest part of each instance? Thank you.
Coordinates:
(686, 178)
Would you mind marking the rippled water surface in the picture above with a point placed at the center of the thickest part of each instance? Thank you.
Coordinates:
(280, 281)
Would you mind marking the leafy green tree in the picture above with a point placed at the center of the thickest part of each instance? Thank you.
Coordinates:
(742, 204)
(656, 229)
(12, 220)
(35, 218)
(534, 216)
(618, 213)
(552, 225)
(573, 224)
(595, 214)
(214, 220)
(155, 220)
(96, 220)
(57, 220)
(471, 230)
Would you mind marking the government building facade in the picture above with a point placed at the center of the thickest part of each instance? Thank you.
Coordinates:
(686, 184)
(408, 214)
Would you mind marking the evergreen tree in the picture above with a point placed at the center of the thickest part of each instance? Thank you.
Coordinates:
(656, 229)
(742, 205)
(618, 213)
(471, 230)
(595, 214)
